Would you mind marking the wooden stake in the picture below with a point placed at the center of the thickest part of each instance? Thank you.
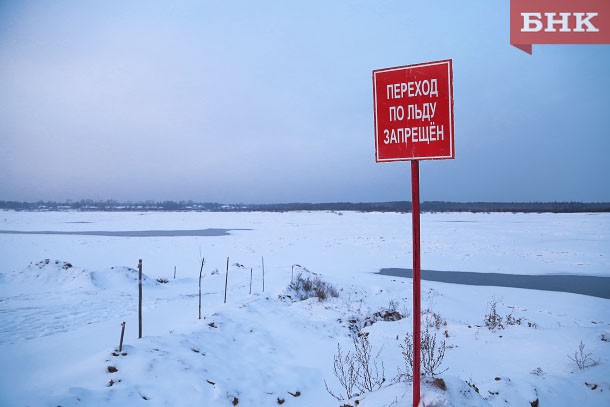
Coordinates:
(226, 280)
(140, 298)
(200, 272)
(174, 272)
(250, 281)
(122, 335)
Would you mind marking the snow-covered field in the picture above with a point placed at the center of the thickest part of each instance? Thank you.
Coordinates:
(60, 319)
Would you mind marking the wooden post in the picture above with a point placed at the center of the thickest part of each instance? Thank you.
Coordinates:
(263, 262)
(122, 335)
(200, 272)
(140, 299)
(174, 272)
(250, 281)
(226, 280)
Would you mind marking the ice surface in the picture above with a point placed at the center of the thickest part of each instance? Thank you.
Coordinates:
(60, 324)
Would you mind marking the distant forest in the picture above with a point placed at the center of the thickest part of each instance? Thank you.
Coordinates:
(397, 206)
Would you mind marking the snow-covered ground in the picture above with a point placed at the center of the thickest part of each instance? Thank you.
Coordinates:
(60, 319)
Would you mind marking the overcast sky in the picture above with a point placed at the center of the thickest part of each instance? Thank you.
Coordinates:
(271, 101)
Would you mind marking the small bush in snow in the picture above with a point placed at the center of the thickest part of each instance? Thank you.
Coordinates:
(346, 371)
(306, 286)
(582, 359)
(433, 319)
(432, 354)
(370, 378)
(357, 370)
(492, 319)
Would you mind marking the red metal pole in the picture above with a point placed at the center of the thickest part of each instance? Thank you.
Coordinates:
(416, 282)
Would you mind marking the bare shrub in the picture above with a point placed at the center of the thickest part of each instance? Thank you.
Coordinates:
(432, 354)
(407, 356)
(306, 287)
(492, 319)
(306, 283)
(434, 319)
(582, 359)
(357, 370)
(369, 377)
(323, 290)
(346, 371)
(511, 320)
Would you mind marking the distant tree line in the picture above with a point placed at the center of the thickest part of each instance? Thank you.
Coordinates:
(526, 207)
(396, 206)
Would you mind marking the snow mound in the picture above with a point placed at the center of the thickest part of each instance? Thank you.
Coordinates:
(120, 278)
(448, 391)
(52, 274)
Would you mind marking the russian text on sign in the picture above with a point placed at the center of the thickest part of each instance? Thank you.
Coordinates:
(412, 89)
(426, 112)
(414, 112)
(417, 134)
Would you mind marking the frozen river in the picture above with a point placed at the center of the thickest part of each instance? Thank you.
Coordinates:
(329, 242)
(68, 281)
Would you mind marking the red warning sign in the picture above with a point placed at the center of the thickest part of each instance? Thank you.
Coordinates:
(414, 112)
